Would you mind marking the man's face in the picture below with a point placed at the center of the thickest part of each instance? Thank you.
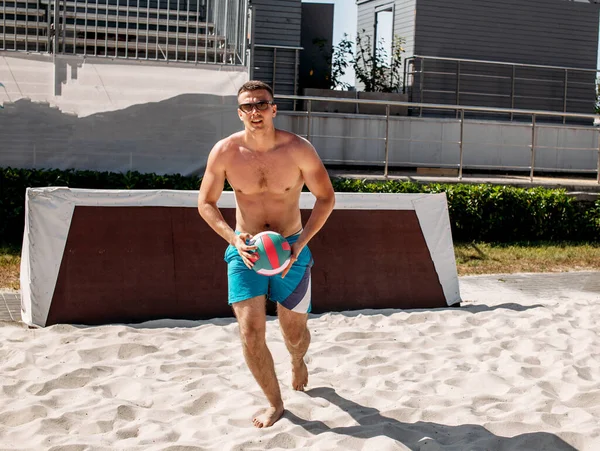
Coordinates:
(255, 109)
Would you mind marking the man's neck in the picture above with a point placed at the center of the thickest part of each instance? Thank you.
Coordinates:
(260, 140)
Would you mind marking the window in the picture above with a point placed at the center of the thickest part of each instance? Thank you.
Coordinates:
(384, 32)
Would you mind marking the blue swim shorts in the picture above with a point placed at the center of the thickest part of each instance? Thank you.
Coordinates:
(293, 292)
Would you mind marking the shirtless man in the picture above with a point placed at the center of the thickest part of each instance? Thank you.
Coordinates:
(267, 169)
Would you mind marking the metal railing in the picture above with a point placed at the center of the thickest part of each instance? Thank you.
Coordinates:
(198, 31)
(280, 59)
(557, 77)
(461, 108)
(24, 26)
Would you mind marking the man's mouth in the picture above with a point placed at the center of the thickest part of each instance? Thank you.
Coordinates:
(256, 121)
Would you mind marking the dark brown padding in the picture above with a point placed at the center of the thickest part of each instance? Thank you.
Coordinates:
(133, 264)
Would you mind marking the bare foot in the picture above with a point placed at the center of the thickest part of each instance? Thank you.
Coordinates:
(268, 417)
(299, 375)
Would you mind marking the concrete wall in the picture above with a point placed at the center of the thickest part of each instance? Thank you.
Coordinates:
(103, 115)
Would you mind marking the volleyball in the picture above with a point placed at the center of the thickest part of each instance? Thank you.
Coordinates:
(273, 252)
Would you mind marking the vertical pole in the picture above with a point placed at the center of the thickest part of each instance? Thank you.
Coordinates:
(308, 120)
(274, 67)
(296, 65)
(225, 35)
(462, 134)
(188, 22)
(63, 32)
(532, 147)
(404, 77)
(422, 75)
(167, 33)
(598, 177)
(237, 45)
(246, 37)
(457, 85)
(196, 38)
(95, 30)
(565, 95)
(217, 30)
(210, 13)
(512, 92)
(126, 29)
(56, 29)
(251, 43)
(387, 139)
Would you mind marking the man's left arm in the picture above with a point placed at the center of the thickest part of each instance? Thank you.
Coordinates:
(318, 182)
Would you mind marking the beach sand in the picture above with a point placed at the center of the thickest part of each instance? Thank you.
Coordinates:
(511, 369)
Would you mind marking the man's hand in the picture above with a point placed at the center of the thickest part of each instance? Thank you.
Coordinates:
(296, 249)
(245, 250)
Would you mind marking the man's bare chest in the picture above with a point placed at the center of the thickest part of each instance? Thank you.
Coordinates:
(263, 173)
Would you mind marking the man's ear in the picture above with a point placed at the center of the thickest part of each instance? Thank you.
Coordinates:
(274, 110)
(240, 115)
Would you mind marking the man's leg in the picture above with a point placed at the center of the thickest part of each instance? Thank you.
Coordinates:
(297, 339)
(251, 317)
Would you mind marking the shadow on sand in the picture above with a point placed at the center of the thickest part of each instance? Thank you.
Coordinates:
(423, 435)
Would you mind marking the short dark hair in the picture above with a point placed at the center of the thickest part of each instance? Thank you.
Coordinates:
(255, 85)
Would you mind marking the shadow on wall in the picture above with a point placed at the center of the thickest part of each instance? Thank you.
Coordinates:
(171, 136)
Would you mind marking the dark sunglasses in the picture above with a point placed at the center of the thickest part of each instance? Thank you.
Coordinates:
(260, 106)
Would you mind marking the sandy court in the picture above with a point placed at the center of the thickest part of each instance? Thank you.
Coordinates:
(517, 367)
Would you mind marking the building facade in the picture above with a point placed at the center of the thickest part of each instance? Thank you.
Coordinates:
(504, 42)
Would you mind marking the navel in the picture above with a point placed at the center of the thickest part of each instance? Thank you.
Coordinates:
(267, 225)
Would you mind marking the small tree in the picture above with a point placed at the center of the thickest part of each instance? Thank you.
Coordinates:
(597, 104)
(374, 69)
(336, 61)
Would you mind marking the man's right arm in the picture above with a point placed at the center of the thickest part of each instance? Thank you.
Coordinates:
(210, 192)
(211, 189)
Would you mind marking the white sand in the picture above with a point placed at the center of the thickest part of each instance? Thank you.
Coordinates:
(508, 371)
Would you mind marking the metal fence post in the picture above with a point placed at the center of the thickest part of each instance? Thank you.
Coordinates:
(387, 138)
(296, 66)
(462, 134)
(421, 82)
(56, 25)
(274, 67)
(598, 176)
(532, 147)
(457, 85)
(309, 105)
(512, 91)
(565, 95)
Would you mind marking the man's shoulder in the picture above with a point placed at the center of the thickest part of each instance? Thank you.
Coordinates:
(292, 140)
(228, 143)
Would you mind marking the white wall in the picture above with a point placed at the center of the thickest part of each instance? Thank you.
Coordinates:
(112, 116)
(107, 115)
(359, 139)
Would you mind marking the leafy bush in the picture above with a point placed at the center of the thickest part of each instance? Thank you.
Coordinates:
(477, 212)
(14, 182)
(497, 213)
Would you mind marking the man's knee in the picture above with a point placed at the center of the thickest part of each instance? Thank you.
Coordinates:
(297, 334)
(253, 336)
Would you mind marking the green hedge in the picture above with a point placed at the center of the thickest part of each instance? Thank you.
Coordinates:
(477, 212)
